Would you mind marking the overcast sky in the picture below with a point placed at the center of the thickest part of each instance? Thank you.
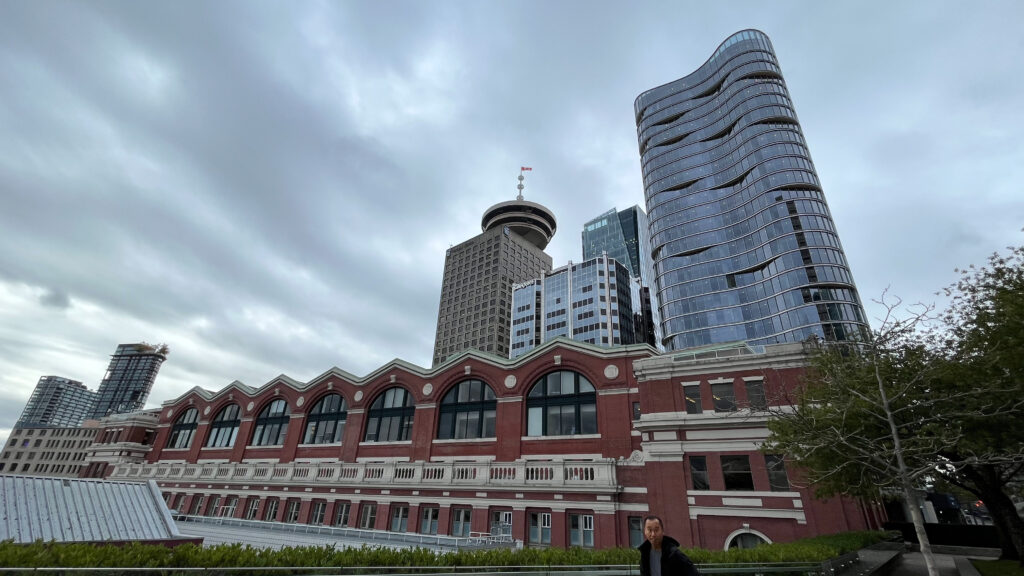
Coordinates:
(270, 187)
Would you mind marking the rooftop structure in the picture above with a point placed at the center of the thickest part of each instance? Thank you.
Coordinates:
(71, 510)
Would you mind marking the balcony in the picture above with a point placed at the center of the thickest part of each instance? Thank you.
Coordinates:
(565, 476)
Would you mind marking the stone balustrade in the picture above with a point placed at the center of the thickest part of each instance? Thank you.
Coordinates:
(598, 474)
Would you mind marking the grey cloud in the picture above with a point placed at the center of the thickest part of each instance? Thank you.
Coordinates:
(55, 299)
(275, 185)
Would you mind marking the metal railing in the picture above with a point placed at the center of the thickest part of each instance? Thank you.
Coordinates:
(781, 569)
(475, 541)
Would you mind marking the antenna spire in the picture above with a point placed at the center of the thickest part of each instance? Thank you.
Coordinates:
(520, 186)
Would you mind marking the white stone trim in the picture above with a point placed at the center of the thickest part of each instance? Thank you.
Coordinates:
(757, 502)
(797, 515)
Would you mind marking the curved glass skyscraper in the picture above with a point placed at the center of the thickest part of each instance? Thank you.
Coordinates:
(744, 247)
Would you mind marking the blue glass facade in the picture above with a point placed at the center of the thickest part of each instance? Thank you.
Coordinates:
(743, 244)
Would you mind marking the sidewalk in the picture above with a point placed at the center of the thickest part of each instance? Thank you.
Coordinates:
(912, 564)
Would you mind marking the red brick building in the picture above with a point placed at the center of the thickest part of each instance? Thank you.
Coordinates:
(570, 444)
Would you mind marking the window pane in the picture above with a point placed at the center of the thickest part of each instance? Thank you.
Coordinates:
(699, 472)
(724, 396)
(736, 473)
(535, 422)
(778, 480)
(588, 419)
(489, 420)
(755, 394)
(692, 394)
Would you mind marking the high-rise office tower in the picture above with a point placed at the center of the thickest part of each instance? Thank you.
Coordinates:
(622, 235)
(743, 244)
(589, 302)
(129, 378)
(479, 274)
(57, 403)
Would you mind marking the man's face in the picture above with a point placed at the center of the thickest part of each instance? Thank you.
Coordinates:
(653, 533)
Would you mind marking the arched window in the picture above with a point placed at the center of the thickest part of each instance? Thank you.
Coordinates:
(468, 411)
(224, 428)
(271, 424)
(561, 404)
(184, 429)
(746, 539)
(325, 423)
(390, 417)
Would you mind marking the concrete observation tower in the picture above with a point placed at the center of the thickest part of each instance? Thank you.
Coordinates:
(530, 220)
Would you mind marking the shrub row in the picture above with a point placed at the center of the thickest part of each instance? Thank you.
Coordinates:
(51, 554)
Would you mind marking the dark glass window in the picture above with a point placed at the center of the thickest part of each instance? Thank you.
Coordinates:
(756, 397)
(325, 423)
(562, 404)
(271, 424)
(778, 481)
(270, 509)
(736, 473)
(692, 396)
(224, 428)
(724, 396)
(699, 472)
(341, 510)
(636, 411)
(390, 417)
(184, 429)
(468, 411)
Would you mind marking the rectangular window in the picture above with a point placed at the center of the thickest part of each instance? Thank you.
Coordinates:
(778, 481)
(540, 528)
(197, 506)
(692, 395)
(736, 473)
(636, 531)
(251, 508)
(756, 397)
(341, 510)
(428, 520)
(699, 472)
(291, 513)
(368, 516)
(461, 521)
(581, 530)
(318, 512)
(228, 510)
(501, 523)
(636, 411)
(724, 396)
(270, 510)
(400, 519)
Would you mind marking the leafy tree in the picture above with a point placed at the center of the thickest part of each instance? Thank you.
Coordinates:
(982, 339)
(922, 396)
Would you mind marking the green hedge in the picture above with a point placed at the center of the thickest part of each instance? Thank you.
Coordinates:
(50, 554)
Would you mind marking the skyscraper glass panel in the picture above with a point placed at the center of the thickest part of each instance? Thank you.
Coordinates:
(129, 379)
(742, 240)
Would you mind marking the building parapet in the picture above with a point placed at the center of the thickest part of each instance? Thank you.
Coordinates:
(522, 475)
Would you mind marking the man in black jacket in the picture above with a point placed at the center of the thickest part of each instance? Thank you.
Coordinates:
(660, 555)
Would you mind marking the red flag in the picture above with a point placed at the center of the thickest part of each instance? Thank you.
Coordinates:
(524, 168)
